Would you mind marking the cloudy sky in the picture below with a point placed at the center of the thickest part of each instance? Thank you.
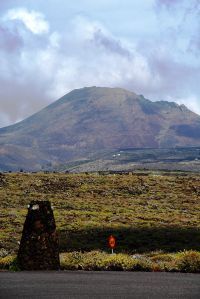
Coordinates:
(48, 48)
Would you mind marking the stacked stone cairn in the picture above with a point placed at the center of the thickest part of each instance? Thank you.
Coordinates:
(39, 246)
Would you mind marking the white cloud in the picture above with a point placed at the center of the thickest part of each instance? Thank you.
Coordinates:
(33, 20)
(90, 55)
(43, 66)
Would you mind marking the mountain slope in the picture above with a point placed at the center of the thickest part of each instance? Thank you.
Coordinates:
(91, 119)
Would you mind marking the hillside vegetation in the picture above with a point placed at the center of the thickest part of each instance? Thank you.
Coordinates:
(146, 212)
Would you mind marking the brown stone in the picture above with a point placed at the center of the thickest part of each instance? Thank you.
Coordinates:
(39, 248)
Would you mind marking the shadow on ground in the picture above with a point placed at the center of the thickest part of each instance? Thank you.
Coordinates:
(169, 239)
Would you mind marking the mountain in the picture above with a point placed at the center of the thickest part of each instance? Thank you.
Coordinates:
(90, 119)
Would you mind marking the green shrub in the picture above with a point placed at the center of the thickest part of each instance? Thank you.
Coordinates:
(6, 262)
(165, 262)
(70, 260)
(167, 266)
(97, 260)
(3, 252)
(14, 266)
(163, 257)
(118, 262)
(93, 260)
(189, 261)
(143, 264)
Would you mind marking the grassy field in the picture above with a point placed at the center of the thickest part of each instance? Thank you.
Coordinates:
(145, 211)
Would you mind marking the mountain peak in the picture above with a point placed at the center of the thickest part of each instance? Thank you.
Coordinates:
(94, 118)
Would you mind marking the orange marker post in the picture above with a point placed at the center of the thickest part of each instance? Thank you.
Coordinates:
(112, 243)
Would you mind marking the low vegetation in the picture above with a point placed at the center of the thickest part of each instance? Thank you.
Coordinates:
(186, 261)
(146, 212)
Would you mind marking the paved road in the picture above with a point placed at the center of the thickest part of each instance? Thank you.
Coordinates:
(53, 285)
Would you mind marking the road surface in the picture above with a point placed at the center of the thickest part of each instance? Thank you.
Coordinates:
(80, 284)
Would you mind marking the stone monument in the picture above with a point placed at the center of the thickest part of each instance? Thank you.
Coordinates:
(39, 248)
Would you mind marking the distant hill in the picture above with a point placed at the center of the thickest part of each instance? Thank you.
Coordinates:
(87, 120)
